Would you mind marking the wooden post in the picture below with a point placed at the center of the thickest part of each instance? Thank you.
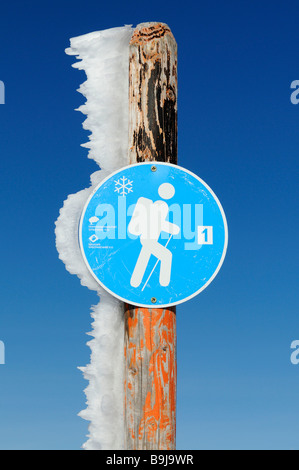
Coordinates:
(150, 334)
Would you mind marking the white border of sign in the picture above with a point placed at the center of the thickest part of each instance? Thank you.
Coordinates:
(152, 305)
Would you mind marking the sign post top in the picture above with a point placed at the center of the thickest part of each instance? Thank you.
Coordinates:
(153, 234)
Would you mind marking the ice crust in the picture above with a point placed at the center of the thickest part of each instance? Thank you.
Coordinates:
(104, 56)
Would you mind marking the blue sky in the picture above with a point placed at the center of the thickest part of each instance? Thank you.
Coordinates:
(238, 130)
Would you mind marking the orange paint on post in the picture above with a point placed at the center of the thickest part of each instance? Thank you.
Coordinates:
(151, 374)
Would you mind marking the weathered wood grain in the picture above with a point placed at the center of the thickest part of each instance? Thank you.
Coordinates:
(150, 334)
(150, 379)
(153, 94)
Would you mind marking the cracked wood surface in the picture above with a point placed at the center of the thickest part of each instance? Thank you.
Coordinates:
(153, 94)
(150, 334)
(150, 386)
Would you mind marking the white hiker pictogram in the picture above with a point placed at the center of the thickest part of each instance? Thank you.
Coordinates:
(147, 222)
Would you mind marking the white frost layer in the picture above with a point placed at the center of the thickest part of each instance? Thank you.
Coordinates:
(105, 374)
(67, 241)
(104, 56)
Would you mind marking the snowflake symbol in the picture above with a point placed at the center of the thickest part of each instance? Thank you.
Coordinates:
(123, 186)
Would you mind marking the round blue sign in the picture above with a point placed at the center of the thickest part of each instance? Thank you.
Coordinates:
(153, 234)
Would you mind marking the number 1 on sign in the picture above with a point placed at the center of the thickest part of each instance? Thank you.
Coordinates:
(205, 235)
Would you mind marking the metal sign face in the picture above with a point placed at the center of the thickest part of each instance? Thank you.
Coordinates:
(153, 234)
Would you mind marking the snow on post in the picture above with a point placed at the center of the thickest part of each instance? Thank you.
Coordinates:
(104, 56)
